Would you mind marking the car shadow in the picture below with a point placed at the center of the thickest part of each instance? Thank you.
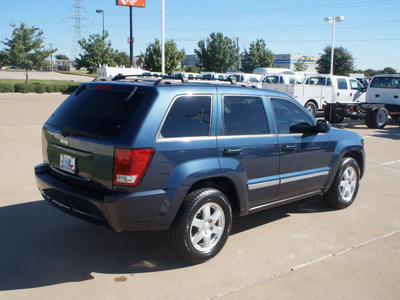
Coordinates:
(391, 131)
(41, 246)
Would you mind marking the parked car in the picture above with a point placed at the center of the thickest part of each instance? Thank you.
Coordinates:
(185, 156)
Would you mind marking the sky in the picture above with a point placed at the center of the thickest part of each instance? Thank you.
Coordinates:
(370, 30)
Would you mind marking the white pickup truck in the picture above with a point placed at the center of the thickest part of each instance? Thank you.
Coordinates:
(382, 100)
(319, 89)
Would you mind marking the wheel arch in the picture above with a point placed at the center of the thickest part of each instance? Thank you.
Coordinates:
(225, 185)
(357, 154)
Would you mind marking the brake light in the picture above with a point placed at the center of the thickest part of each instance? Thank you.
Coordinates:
(130, 165)
(104, 87)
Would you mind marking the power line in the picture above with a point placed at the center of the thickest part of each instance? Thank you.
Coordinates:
(78, 27)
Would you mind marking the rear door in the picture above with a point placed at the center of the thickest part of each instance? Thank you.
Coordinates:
(343, 90)
(247, 146)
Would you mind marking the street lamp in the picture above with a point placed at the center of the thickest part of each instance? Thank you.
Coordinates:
(333, 20)
(162, 37)
(99, 11)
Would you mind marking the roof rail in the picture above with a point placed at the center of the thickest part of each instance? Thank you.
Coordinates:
(165, 79)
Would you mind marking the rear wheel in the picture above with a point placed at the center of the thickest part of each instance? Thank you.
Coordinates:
(368, 119)
(311, 107)
(379, 117)
(345, 185)
(201, 227)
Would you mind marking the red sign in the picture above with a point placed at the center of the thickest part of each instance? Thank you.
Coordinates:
(135, 3)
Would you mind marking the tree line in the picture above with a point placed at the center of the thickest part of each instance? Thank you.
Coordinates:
(217, 53)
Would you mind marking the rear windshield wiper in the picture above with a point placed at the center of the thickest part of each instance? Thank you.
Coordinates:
(67, 131)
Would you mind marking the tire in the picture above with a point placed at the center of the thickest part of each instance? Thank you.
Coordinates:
(202, 226)
(368, 119)
(344, 188)
(379, 117)
(310, 106)
(331, 117)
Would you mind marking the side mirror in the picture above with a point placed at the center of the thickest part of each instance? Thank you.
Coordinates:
(322, 126)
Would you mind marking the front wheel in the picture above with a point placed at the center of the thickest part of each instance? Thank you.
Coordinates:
(345, 185)
(202, 226)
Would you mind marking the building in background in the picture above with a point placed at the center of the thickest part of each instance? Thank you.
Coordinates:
(289, 60)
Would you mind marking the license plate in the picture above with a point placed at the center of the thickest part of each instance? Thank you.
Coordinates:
(67, 163)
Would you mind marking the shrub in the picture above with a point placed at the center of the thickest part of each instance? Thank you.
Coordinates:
(24, 88)
(63, 87)
(71, 89)
(39, 88)
(7, 88)
(51, 88)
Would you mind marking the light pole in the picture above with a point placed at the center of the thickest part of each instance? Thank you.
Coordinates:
(162, 37)
(99, 11)
(333, 20)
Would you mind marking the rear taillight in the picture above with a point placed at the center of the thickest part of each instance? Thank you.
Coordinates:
(130, 165)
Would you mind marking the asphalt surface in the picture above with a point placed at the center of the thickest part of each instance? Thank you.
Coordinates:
(303, 250)
(44, 76)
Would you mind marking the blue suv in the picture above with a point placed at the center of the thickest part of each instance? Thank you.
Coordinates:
(184, 157)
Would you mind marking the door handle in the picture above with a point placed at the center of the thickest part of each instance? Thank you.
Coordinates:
(288, 148)
(351, 94)
(232, 151)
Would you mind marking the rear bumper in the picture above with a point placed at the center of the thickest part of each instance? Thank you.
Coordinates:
(138, 211)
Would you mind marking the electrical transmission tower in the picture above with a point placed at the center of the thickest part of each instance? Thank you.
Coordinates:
(78, 27)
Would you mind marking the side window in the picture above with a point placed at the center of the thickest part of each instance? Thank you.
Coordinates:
(189, 116)
(290, 117)
(329, 82)
(244, 115)
(342, 84)
(355, 85)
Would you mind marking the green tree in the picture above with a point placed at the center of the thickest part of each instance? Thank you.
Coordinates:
(25, 49)
(343, 61)
(300, 65)
(389, 70)
(122, 59)
(97, 51)
(219, 53)
(257, 56)
(369, 73)
(191, 69)
(62, 57)
(173, 56)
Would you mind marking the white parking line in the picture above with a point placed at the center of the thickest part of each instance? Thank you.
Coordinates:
(20, 127)
(390, 163)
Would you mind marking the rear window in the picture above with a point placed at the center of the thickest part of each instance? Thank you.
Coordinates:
(386, 82)
(99, 109)
(189, 116)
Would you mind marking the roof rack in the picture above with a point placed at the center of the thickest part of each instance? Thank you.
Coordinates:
(166, 79)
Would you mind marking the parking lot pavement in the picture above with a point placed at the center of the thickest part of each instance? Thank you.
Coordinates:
(303, 250)
(44, 76)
